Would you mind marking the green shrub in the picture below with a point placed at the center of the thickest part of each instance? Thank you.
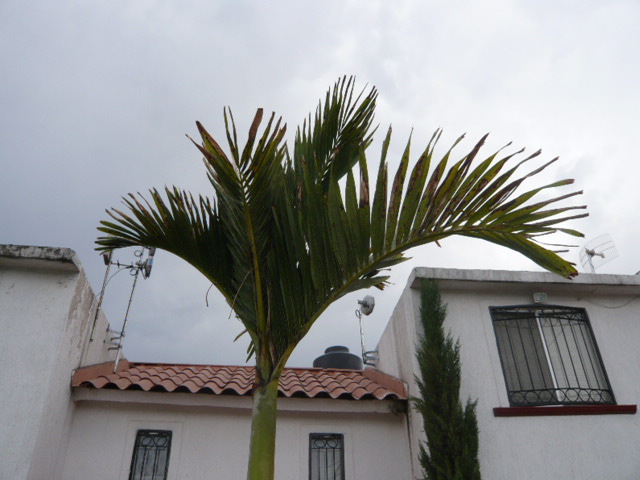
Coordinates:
(451, 450)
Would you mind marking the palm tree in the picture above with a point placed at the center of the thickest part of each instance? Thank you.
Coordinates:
(282, 242)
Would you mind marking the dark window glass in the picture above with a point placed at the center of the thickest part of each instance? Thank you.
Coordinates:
(549, 356)
(326, 456)
(151, 455)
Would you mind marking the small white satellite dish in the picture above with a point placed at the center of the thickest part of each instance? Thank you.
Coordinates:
(597, 252)
(367, 304)
(366, 307)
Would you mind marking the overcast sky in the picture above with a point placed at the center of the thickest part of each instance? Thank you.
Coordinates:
(96, 99)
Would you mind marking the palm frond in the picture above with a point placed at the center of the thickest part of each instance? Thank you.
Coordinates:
(433, 207)
(188, 228)
(341, 128)
(284, 237)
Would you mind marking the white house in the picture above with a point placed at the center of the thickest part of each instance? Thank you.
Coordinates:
(67, 415)
(351, 423)
(553, 363)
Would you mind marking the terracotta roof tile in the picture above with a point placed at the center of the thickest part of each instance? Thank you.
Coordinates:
(238, 380)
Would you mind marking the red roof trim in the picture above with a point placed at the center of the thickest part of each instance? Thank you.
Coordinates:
(238, 380)
(86, 373)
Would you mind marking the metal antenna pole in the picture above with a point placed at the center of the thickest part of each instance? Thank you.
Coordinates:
(590, 255)
(364, 350)
(124, 324)
(104, 285)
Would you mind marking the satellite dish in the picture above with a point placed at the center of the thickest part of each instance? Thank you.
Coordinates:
(597, 252)
(366, 307)
(367, 304)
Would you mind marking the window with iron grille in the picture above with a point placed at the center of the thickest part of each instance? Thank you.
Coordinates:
(326, 456)
(151, 455)
(549, 356)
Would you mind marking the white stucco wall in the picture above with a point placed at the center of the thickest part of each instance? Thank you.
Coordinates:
(211, 435)
(569, 447)
(46, 311)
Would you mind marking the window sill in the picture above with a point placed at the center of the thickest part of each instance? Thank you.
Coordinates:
(565, 410)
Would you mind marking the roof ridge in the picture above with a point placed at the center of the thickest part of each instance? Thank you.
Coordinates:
(169, 364)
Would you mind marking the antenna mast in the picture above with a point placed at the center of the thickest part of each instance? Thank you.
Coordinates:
(135, 269)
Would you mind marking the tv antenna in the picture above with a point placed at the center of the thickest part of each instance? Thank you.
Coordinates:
(597, 252)
(135, 268)
(366, 307)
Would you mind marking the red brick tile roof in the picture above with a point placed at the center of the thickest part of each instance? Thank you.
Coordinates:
(238, 380)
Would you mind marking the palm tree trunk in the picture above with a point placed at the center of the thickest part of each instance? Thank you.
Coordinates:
(263, 430)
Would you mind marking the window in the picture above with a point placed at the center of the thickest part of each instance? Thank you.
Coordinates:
(151, 455)
(549, 356)
(326, 456)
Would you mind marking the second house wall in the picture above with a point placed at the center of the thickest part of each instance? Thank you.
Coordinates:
(570, 447)
(211, 442)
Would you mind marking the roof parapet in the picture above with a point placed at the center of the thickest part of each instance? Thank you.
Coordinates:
(27, 256)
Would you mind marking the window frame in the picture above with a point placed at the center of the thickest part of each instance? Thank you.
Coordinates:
(314, 436)
(146, 433)
(550, 364)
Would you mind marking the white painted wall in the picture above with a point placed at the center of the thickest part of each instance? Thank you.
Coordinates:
(568, 447)
(211, 435)
(396, 356)
(46, 311)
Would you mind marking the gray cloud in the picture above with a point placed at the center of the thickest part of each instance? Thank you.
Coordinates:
(97, 99)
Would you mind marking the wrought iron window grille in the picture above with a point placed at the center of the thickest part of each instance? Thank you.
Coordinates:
(151, 455)
(549, 356)
(326, 456)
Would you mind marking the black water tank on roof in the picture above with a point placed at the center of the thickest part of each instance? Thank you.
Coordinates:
(338, 357)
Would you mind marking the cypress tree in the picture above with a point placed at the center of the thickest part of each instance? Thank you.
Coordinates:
(451, 451)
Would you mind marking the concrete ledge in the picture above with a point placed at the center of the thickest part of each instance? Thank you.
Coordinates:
(565, 410)
(233, 402)
(25, 256)
(487, 280)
